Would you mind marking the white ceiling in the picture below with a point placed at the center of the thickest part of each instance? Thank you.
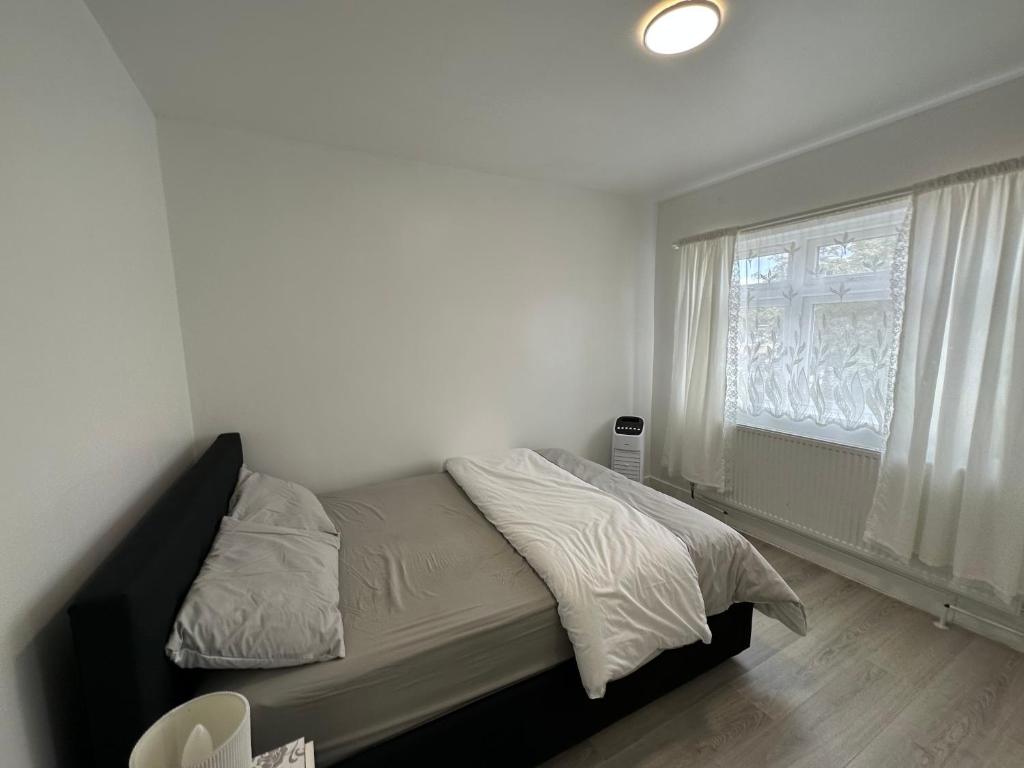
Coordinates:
(559, 89)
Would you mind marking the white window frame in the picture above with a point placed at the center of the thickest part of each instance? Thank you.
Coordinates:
(810, 290)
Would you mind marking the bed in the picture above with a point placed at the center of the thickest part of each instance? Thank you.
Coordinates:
(454, 648)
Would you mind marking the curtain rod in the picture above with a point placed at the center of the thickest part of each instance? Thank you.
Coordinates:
(972, 174)
(793, 218)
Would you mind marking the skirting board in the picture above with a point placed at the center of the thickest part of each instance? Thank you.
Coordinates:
(898, 586)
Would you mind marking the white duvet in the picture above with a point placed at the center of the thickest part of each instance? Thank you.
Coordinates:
(626, 586)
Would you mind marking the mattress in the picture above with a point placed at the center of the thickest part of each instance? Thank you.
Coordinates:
(438, 610)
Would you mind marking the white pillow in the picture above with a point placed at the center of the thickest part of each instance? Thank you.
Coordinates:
(265, 597)
(260, 498)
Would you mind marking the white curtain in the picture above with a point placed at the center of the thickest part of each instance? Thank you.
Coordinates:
(695, 429)
(951, 487)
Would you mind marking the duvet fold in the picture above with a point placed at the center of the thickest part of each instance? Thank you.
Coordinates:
(729, 568)
(625, 585)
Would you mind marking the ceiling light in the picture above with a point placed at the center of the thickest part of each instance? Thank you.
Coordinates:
(682, 27)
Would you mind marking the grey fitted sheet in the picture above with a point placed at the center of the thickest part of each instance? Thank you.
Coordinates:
(438, 610)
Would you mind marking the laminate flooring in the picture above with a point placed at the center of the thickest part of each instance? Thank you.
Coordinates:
(873, 684)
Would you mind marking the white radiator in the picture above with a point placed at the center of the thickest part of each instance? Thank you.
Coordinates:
(823, 491)
(818, 488)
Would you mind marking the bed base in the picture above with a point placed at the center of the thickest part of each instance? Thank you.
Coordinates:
(531, 721)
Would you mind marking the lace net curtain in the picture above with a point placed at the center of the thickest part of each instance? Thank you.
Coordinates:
(815, 310)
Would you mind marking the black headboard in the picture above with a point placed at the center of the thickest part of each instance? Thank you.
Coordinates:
(121, 619)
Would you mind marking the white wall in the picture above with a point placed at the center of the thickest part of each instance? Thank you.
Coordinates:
(979, 129)
(95, 414)
(360, 318)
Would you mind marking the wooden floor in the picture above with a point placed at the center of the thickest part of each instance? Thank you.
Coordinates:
(873, 684)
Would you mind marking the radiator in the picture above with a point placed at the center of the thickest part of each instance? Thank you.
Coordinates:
(824, 490)
(821, 489)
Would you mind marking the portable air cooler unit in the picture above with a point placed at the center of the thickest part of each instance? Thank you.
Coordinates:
(628, 447)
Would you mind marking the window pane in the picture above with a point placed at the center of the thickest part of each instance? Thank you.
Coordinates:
(849, 363)
(762, 269)
(761, 359)
(763, 328)
(856, 257)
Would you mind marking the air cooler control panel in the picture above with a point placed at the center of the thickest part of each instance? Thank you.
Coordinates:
(629, 425)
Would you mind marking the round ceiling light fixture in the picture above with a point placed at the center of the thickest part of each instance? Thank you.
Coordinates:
(682, 27)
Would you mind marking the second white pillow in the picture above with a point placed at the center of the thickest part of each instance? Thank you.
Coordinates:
(260, 498)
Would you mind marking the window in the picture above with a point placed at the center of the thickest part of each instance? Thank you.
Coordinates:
(814, 326)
